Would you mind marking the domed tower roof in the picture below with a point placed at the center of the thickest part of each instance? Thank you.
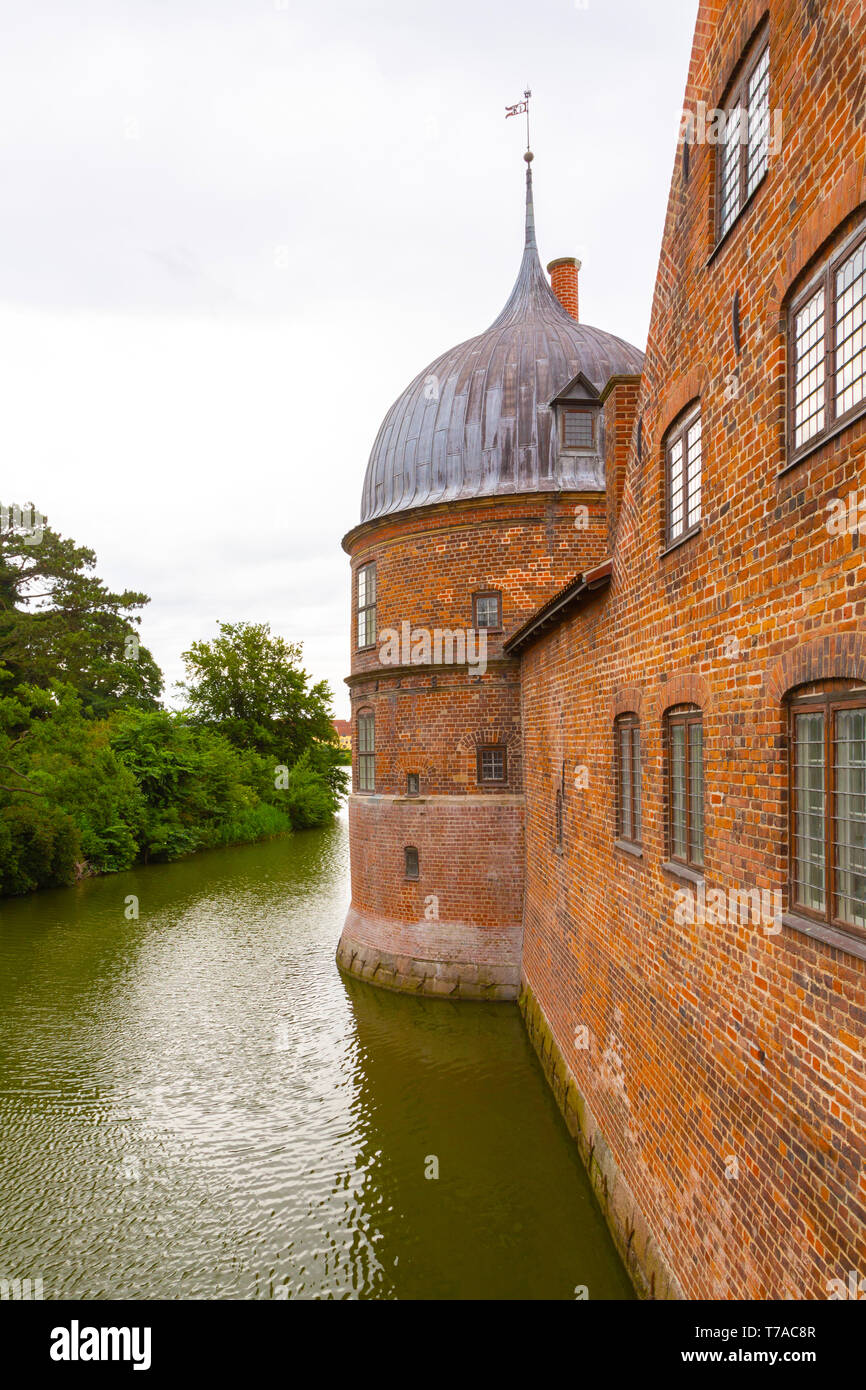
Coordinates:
(477, 422)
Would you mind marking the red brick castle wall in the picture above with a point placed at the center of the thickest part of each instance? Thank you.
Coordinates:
(458, 928)
(714, 1075)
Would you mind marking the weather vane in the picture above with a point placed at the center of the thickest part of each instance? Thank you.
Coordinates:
(520, 108)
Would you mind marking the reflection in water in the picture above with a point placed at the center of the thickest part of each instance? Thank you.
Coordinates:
(197, 1105)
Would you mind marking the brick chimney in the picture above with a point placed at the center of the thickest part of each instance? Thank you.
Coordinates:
(563, 281)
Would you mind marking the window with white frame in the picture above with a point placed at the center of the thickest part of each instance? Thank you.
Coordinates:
(827, 348)
(683, 467)
(366, 606)
(744, 152)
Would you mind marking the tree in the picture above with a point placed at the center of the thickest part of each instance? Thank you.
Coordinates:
(67, 805)
(58, 621)
(310, 800)
(199, 790)
(329, 761)
(95, 775)
(251, 685)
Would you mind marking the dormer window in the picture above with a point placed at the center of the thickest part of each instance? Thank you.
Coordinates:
(576, 419)
(578, 430)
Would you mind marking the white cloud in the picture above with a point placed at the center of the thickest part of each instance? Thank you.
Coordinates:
(233, 232)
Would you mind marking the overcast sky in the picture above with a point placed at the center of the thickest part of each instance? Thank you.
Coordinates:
(233, 230)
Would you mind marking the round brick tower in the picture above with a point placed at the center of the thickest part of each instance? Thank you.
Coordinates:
(484, 495)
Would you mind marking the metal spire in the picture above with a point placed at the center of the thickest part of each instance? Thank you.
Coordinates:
(530, 242)
(518, 109)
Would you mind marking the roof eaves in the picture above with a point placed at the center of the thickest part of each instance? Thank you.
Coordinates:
(580, 378)
(554, 610)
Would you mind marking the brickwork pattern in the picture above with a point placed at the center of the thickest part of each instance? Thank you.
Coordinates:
(430, 562)
(470, 853)
(723, 1065)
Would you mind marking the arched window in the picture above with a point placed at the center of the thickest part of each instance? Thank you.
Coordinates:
(366, 751)
(411, 864)
(685, 768)
(828, 804)
(628, 778)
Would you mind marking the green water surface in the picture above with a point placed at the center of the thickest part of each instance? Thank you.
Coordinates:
(196, 1104)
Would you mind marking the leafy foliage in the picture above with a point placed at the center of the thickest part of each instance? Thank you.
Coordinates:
(38, 848)
(94, 775)
(251, 685)
(86, 795)
(58, 621)
(195, 784)
(310, 799)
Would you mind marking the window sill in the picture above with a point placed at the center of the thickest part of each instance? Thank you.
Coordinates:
(812, 448)
(831, 936)
(683, 871)
(636, 851)
(680, 540)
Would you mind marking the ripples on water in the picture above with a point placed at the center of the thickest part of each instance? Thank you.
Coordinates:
(197, 1105)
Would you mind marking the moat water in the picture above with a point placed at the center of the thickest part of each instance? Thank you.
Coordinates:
(196, 1104)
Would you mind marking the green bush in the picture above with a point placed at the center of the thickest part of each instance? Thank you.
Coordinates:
(256, 823)
(39, 848)
(309, 799)
(94, 775)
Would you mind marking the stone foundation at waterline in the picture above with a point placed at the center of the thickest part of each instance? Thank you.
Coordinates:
(644, 1261)
(455, 960)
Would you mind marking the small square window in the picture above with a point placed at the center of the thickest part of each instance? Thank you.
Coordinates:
(413, 783)
(578, 429)
(487, 610)
(492, 763)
